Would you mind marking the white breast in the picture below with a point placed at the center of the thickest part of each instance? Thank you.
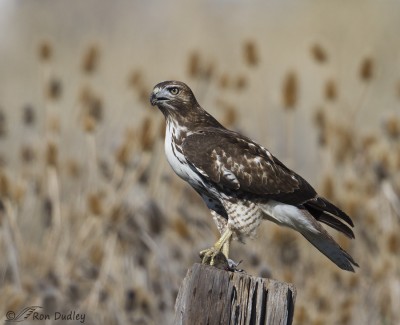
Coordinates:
(175, 158)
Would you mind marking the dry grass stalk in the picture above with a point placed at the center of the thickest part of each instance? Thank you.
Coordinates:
(106, 263)
(89, 123)
(53, 124)
(320, 118)
(53, 192)
(11, 248)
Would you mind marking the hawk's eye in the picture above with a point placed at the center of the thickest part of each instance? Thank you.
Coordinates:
(174, 90)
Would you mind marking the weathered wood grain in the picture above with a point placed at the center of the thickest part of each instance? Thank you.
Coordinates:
(212, 296)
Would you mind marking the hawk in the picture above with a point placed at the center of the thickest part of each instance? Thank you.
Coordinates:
(240, 181)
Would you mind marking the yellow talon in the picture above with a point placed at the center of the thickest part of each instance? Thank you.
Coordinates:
(221, 247)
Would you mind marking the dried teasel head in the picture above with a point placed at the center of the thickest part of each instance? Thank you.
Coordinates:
(45, 51)
(196, 68)
(230, 116)
(290, 90)
(250, 52)
(328, 187)
(91, 59)
(28, 115)
(96, 253)
(74, 170)
(52, 154)
(391, 126)
(161, 129)
(224, 81)
(321, 123)
(241, 82)
(146, 139)
(393, 244)
(27, 154)
(135, 79)
(95, 203)
(318, 53)
(5, 186)
(54, 89)
(209, 70)
(366, 69)
(330, 90)
(124, 151)
(230, 112)
(92, 109)
(194, 65)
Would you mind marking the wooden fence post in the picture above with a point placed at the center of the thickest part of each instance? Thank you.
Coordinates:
(211, 296)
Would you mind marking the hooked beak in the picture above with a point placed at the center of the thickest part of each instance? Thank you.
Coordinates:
(153, 99)
(156, 97)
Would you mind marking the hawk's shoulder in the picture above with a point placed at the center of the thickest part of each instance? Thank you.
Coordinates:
(233, 161)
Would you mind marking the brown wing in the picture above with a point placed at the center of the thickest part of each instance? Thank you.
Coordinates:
(238, 163)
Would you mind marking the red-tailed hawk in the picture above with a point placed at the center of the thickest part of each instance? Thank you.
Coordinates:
(240, 181)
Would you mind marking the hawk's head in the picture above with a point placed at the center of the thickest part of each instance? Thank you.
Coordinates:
(177, 102)
(173, 96)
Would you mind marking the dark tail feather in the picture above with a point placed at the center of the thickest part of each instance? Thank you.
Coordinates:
(324, 211)
(324, 205)
(331, 221)
(327, 246)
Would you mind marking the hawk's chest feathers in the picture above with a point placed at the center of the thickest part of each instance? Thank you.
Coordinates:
(174, 137)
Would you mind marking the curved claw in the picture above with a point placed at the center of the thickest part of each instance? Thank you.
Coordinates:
(218, 254)
(214, 257)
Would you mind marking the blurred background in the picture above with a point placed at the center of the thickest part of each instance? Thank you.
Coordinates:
(92, 218)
